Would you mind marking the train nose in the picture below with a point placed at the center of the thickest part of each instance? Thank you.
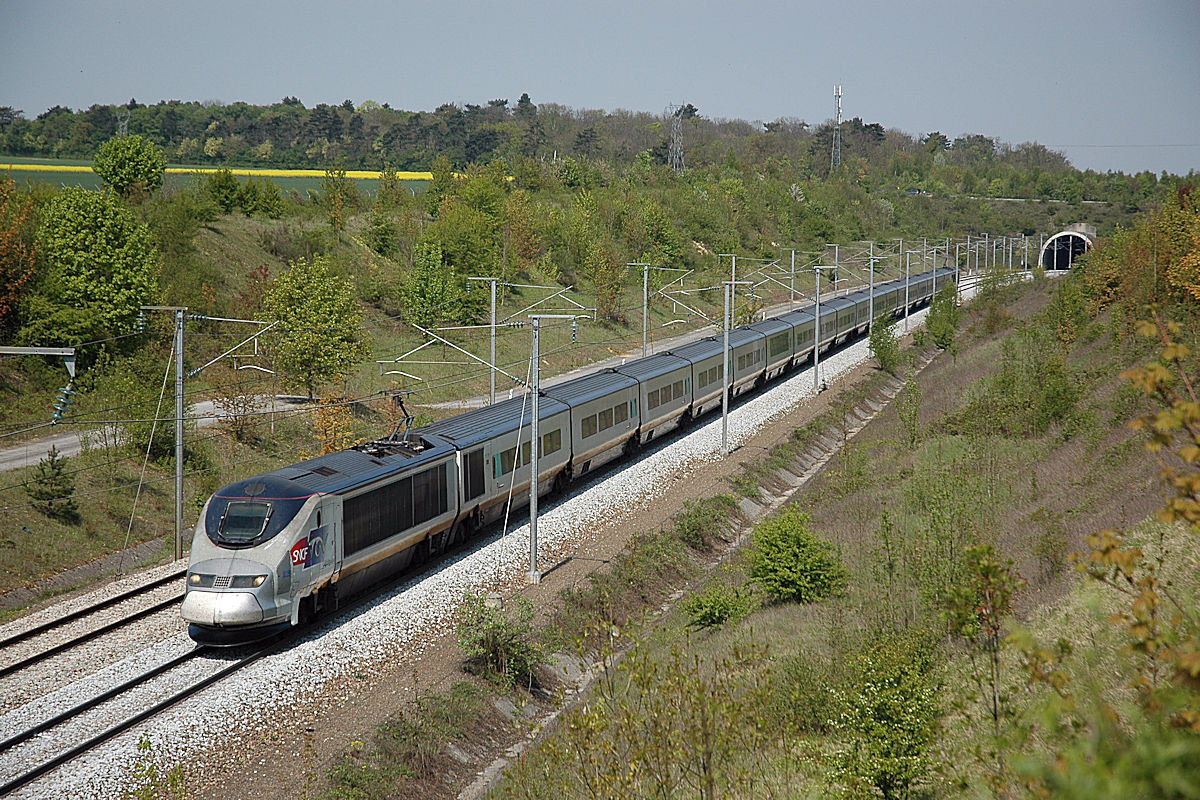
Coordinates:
(226, 592)
(221, 608)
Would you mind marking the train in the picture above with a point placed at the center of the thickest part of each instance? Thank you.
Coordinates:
(279, 549)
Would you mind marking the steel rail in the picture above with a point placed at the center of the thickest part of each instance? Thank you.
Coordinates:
(87, 637)
(83, 612)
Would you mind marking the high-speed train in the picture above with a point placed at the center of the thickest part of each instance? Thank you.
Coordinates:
(275, 550)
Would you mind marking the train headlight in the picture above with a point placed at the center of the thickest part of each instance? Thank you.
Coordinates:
(247, 581)
(194, 579)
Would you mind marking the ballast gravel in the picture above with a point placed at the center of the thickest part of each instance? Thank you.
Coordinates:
(397, 627)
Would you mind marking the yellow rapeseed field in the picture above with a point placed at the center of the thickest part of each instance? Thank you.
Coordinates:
(358, 174)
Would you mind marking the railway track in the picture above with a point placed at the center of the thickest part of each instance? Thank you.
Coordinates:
(58, 623)
(43, 765)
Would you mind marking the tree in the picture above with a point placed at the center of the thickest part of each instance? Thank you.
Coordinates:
(321, 324)
(51, 489)
(434, 292)
(18, 253)
(100, 266)
(131, 166)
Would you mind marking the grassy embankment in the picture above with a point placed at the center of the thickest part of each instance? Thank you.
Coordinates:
(867, 692)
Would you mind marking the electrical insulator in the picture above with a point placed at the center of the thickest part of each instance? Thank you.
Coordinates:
(574, 330)
(141, 322)
(62, 403)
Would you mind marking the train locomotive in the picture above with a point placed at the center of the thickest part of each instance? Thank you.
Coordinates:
(276, 550)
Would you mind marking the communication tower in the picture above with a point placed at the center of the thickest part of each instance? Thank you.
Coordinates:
(675, 152)
(835, 159)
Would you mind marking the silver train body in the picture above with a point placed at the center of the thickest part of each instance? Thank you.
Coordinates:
(275, 550)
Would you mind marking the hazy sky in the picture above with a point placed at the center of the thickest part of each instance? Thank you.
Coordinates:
(1114, 85)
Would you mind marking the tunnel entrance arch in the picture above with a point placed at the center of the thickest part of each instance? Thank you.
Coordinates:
(1060, 250)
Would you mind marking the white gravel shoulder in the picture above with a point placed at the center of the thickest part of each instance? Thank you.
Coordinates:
(396, 628)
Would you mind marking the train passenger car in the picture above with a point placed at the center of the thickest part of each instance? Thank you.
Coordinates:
(665, 392)
(863, 306)
(803, 327)
(747, 359)
(274, 549)
(604, 417)
(495, 466)
(843, 313)
(780, 345)
(704, 356)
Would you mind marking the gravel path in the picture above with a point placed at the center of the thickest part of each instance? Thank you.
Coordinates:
(395, 628)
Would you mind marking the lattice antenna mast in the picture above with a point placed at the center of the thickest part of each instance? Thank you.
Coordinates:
(123, 123)
(835, 158)
(675, 152)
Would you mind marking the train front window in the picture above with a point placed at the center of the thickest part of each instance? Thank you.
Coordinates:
(243, 521)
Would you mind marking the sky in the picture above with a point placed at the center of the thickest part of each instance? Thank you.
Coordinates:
(1115, 85)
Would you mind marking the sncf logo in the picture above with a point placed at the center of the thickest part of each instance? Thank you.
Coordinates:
(300, 552)
(310, 550)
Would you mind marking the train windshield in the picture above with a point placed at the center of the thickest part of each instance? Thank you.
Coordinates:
(244, 521)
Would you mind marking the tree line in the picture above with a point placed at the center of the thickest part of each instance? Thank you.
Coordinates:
(370, 135)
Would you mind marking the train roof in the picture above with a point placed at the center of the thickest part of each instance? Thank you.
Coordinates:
(334, 473)
(589, 387)
(770, 326)
(800, 316)
(652, 366)
(713, 345)
(481, 424)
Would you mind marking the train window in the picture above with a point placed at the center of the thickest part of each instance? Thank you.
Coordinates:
(779, 344)
(652, 399)
(243, 521)
(525, 455)
(702, 380)
(605, 419)
(620, 413)
(552, 442)
(587, 426)
(506, 461)
(677, 389)
(633, 407)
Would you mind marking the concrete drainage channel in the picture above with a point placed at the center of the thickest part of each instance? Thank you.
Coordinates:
(578, 676)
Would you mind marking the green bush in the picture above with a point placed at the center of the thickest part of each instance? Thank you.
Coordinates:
(792, 564)
(882, 343)
(943, 318)
(499, 646)
(717, 604)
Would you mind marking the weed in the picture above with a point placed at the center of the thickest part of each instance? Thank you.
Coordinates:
(499, 646)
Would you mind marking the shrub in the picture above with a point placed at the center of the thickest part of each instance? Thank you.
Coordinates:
(882, 343)
(943, 318)
(717, 604)
(791, 563)
(703, 519)
(499, 646)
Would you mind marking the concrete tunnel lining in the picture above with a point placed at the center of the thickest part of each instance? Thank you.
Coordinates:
(1060, 250)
